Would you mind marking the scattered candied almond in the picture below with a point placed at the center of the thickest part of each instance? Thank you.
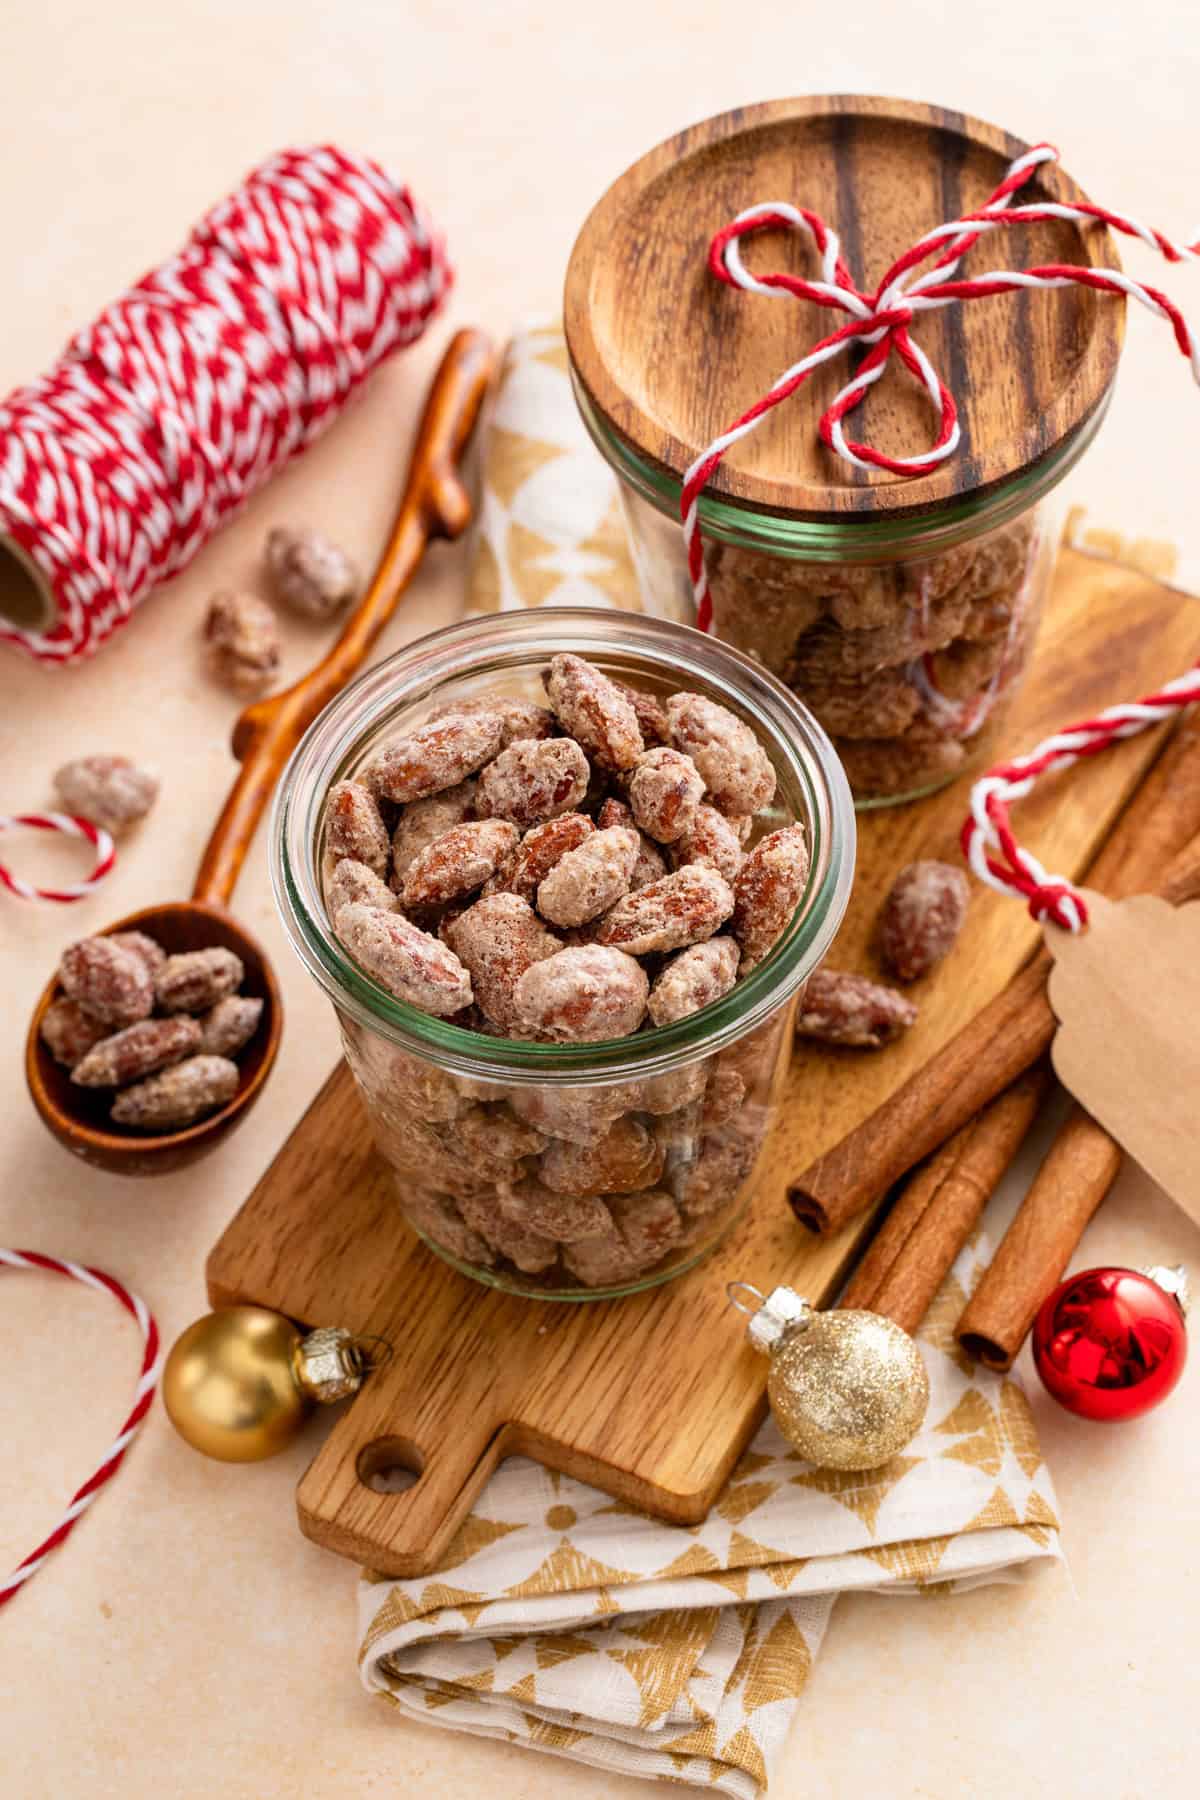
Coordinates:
(922, 917)
(665, 791)
(595, 712)
(409, 963)
(582, 995)
(694, 979)
(111, 791)
(437, 755)
(309, 572)
(767, 890)
(588, 880)
(683, 908)
(533, 780)
(737, 770)
(839, 1008)
(354, 827)
(242, 637)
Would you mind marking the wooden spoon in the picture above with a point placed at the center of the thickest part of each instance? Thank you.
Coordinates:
(435, 504)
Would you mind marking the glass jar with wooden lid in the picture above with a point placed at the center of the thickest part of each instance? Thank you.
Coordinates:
(902, 610)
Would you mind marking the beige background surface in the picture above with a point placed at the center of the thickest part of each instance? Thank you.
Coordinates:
(188, 1640)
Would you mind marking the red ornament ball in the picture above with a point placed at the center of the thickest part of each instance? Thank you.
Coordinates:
(1110, 1343)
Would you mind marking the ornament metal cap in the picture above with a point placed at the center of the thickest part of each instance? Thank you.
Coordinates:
(328, 1364)
(1173, 1281)
(775, 1316)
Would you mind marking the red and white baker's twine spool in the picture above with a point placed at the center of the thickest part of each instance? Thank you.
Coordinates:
(143, 1398)
(882, 321)
(987, 829)
(95, 835)
(188, 392)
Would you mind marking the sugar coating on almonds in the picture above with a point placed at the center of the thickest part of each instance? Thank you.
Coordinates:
(837, 1007)
(694, 979)
(710, 838)
(498, 940)
(767, 890)
(649, 711)
(683, 908)
(651, 864)
(408, 962)
(422, 822)
(922, 917)
(527, 867)
(69, 1033)
(530, 1251)
(458, 862)
(588, 880)
(561, 1216)
(110, 983)
(737, 770)
(194, 981)
(665, 791)
(242, 639)
(228, 1026)
(138, 944)
(579, 1114)
(354, 827)
(594, 711)
(522, 718)
(533, 781)
(499, 1132)
(309, 572)
(111, 791)
(624, 1160)
(437, 755)
(138, 1051)
(644, 1227)
(353, 884)
(582, 995)
(178, 1095)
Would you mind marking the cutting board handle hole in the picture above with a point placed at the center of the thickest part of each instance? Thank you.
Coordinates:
(390, 1465)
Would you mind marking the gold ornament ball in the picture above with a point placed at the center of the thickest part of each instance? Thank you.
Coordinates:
(849, 1390)
(229, 1384)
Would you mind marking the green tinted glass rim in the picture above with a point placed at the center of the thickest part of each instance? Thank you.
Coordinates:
(326, 752)
(880, 535)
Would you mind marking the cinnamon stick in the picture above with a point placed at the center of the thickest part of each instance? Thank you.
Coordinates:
(1014, 1029)
(940, 1206)
(1076, 1173)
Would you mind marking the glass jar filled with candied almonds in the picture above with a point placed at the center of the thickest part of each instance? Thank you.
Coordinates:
(563, 875)
(903, 610)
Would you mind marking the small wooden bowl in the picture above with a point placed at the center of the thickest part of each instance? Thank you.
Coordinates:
(78, 1116)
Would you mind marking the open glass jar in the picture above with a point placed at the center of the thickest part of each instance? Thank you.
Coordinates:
(464, 1117)
(902, 611)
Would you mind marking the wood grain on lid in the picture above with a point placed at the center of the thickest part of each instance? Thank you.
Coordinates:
(670, 356)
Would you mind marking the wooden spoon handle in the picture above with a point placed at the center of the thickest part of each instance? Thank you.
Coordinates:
(435, 504)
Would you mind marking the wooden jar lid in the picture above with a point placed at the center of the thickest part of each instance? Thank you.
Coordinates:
(670, 356)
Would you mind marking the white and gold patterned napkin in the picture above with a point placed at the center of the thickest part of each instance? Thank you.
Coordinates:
(567, 1621)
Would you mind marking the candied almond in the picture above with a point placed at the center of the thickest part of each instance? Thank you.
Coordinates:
(406, 961)
(839, 1008)
(522, 718)
(309, 572)
(353, 884)
(69, 1033)
(437, 755)
(582, 995)
(111, 791)
(175, 1096)
(624, 1160)
(922, 917)
(665, 790)
(579, 1114)
(767, 890)
(710, 838)
(650, 865)
(650, 711)
(594, 710)
(137, 1051)
(108, 982)
(562, 1216)
(694, 979)
(437, 1218)
(458, 862)
(243, 642)
(646, 1226)
(228, 1026)
(683, 908)
(529, 1250)
(526, 868)
(737, 770)
(354, 827)
(194, 981)
(533, 780)
(150, 952)
(588, 880)
(422, 822)
(497, 1131)
(498, 939)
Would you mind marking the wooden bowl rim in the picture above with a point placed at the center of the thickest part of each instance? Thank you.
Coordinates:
(649, 438)
(134, 1145)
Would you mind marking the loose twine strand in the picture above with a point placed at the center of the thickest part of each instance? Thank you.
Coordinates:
(881, 320)
(83, 1496)
(64, 823)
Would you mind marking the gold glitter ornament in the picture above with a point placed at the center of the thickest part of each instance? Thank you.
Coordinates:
(848, 1389)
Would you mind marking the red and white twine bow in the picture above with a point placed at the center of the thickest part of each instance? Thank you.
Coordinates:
(95, 835)
(1015, 870)
(83, 1496)
(882, 320)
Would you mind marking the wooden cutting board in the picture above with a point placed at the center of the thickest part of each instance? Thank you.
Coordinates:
(653, 1398)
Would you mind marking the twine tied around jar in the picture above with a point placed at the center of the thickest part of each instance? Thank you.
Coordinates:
(882, 321)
